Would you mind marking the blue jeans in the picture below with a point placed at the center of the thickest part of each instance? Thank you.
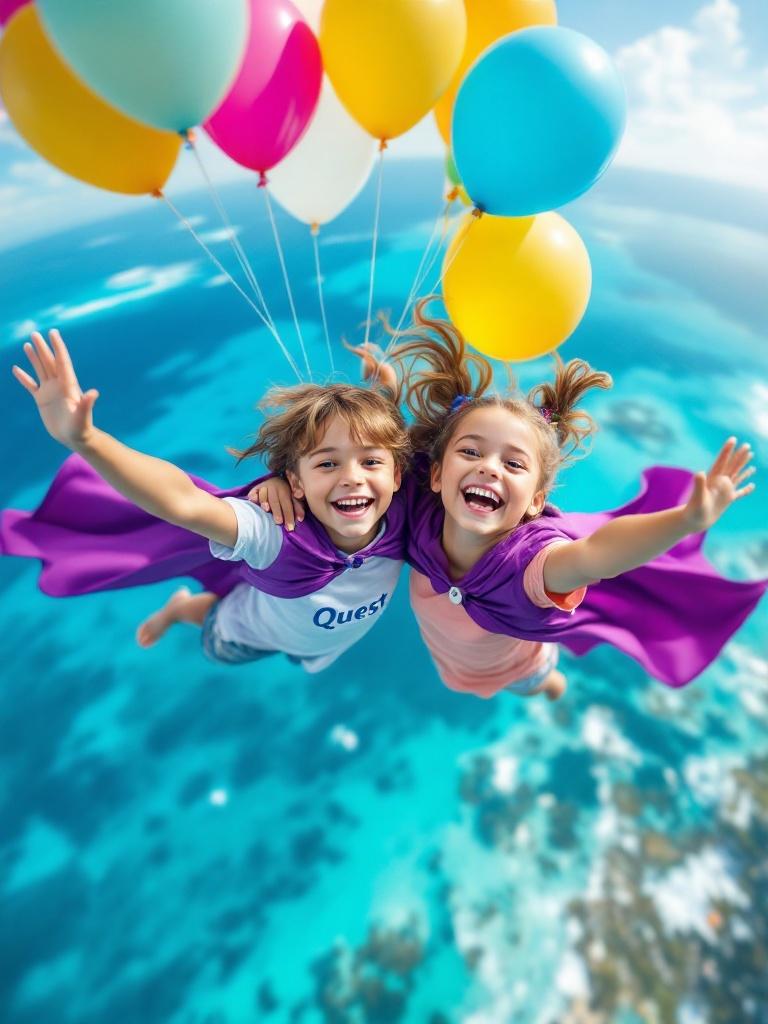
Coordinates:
(228, 652)
(530, 684)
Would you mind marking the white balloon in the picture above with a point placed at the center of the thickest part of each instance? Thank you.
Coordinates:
(310, 11)
(323, 173)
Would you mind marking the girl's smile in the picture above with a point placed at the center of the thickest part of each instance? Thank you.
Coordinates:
(481, 499)
(488, 482)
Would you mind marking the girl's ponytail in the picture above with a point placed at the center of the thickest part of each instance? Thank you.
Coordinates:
(455, 382)
(557, 401)
(451, 374)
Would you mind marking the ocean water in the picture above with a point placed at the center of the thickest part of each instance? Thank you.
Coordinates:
(187, 844)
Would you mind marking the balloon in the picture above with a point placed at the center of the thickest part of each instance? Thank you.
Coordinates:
(310, 10)
(516, 287)
(455, 181)
(69, 125)
(389, 60)
(537, 121)
(487, 21)
(9, 7)
(328, 168)
(451, 172)
(275, 94)
(165, 62)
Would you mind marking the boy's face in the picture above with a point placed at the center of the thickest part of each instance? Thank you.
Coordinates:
(348, 486)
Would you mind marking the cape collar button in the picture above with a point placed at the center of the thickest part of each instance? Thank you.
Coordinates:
(454, 595)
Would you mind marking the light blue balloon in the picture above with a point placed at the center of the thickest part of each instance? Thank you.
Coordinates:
(167, 63)
(537, 120)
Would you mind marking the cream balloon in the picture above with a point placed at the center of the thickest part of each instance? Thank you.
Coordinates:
(329, 166)
(311, 11)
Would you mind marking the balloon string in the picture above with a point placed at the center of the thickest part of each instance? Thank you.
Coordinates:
(428, 259)
(476, 215)
(231, 233)
(183, 220)
(284, 269)
(377, 214)
(316, 246)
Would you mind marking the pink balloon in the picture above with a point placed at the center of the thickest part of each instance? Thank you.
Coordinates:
(9, 7)
(274, 96)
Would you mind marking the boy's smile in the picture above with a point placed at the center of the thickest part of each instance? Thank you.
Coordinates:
(347, 485)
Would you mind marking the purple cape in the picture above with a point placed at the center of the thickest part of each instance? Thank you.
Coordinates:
(672, 615)
(90, 538)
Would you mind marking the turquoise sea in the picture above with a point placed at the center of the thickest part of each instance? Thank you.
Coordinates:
(183, 844)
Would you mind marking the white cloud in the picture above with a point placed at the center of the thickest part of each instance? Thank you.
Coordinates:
(7, 132)
(698, 104)
(218, 235)
(133, 286)
(195, 221)
(36, 173)
(128, 286)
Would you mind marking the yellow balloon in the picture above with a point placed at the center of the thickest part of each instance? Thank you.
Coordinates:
(69, 125)
(516, 287)
(487, 21)
(390, 60)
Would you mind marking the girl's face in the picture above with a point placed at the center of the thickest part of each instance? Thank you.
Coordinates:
(489, 474)
(348, 486)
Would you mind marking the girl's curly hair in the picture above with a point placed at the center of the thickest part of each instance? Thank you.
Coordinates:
(560, 428)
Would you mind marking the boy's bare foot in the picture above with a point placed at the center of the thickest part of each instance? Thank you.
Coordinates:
(555, 685)
(151, 629)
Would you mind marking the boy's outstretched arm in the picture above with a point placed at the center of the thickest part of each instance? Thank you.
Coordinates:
(158, 487)
(630, 541)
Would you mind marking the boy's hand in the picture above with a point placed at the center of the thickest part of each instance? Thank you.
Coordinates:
(274, 495)
(715, 491)
(65, 411)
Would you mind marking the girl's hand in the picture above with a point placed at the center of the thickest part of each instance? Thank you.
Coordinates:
(715, 491)
(374, 366)
(65, 411)
(274, 495)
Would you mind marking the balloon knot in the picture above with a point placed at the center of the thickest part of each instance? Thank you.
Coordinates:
(477, 211)
(453, 194)
(156, 193)
(189, 137)
(263, 180)
(314, 227)
(383, 145)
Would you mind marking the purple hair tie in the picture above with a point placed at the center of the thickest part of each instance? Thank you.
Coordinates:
(458, 402)
(549, 414)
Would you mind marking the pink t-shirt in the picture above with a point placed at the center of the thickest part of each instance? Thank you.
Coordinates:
(468, 657)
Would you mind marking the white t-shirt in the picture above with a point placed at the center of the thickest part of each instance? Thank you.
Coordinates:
(317, 628)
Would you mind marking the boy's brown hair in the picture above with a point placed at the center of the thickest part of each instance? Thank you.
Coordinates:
(297, 418)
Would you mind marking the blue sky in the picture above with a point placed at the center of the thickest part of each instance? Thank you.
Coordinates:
(615, 23)
(696, 73)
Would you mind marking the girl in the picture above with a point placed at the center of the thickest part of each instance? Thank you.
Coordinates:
(310, 593)
(500, 576)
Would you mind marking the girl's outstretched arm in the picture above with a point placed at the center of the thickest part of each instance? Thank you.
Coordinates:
(630, 541)
(158, 487)
(274, 495)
